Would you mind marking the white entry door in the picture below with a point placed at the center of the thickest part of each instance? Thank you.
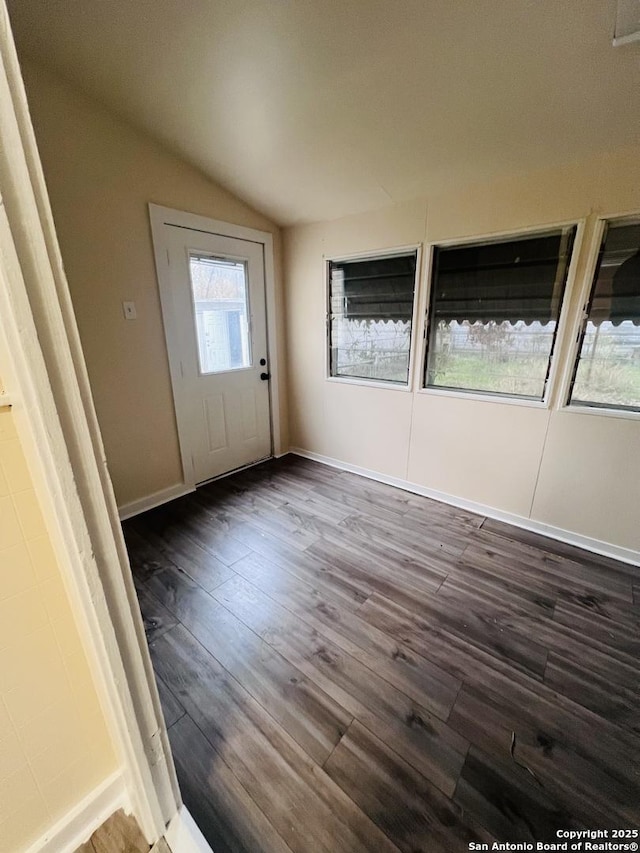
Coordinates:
(217, 341)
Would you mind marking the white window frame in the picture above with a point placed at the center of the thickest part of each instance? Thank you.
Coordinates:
(563, 320)
(376, 254)
(573, 333)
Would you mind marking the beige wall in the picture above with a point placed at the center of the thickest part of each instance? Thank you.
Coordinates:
(101, 174)
(54, 745)
(578, 472)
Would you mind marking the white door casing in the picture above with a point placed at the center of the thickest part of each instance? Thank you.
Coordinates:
(226, 415)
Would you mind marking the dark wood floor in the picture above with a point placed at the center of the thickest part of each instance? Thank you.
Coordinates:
(345, 666)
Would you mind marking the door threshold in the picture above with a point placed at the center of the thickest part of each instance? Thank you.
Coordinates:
(235, 471)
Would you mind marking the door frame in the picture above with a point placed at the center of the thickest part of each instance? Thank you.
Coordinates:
(159, 217)
(47, 387)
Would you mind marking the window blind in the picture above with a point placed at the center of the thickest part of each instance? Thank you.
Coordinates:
(376, 289)
(518, 280)
(616, 293)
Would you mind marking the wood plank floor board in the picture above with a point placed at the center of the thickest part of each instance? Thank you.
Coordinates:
(437, 522)
(203, 567)
(145, 558)
(461, 593)
(422, 739)
(381, 498)
(427, 511)
(548, 568)
(371, 564)
(308, 471)
(411, 811)
(406, 540)
(595, 691)
(385, 499)
(605, 565)
(181, 551)
(500, 588)
(480, 560)
(378, 495)
(155, 616)
(495, 726)
(414, 675)
(171, 708)
(316, 507)
(222, 808)
(284, 577)
(503, 798)
(608, 623)
(230, 499)
(195, 511)
(308, 714)
(188, 517)
(463, 659)
(276, 773)
(477, 623)
(303, 516)
(610, 662)
(345, 666)
(120, 833)
(272, 478)
(291, 531)
(351, 586)
(608, 618)
(381, 569)
(272, 516)
(357, 502)
(557, 718)
(589, 733)
(222, 545)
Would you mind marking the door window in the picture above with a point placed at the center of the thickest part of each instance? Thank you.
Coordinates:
(219, 288)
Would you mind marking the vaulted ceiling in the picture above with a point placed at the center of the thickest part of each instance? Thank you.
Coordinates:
(313, 109)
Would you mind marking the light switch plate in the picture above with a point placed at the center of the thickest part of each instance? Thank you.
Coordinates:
(129, 309)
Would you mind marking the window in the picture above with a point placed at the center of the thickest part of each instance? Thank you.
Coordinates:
(607, 370)
(219, 288)
(494, 314)
(370, 314)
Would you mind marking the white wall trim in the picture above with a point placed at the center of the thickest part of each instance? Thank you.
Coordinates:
(74, 828)
(153, 500)
(596, 546)
(184, 836)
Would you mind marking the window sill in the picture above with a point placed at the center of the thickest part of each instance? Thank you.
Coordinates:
(485, 397)
(368, 383)
(577, 409)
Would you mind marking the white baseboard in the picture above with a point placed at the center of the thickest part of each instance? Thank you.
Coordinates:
(183, 834)
(606, 549)
(151, 501)
(76, 827)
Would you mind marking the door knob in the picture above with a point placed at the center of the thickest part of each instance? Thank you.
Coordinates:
(265, 376)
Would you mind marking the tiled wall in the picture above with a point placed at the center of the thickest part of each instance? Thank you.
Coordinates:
(54, 745)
